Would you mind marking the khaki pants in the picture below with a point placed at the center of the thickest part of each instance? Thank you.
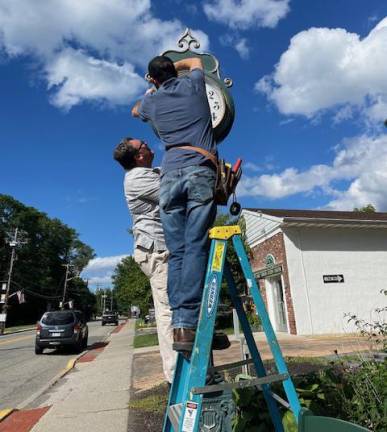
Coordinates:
(155, 266)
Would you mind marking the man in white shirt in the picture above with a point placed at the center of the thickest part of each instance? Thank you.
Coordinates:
(141, 186)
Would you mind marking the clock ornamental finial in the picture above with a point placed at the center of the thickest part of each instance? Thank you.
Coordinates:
(187, 40)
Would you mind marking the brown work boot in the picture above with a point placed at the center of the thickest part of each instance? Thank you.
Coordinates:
(183, 339)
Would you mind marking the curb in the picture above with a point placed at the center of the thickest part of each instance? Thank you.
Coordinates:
(4, 413)
(18, 331)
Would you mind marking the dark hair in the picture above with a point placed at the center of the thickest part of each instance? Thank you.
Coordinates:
(124, 154)
(161, 68)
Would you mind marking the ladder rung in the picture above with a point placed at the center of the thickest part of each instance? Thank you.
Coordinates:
(174, 414)
(230, 365)
(240, 384)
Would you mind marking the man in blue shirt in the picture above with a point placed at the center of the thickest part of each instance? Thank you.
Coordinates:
(178, 109)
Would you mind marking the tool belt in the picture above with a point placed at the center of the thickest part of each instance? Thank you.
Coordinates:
(226, 178)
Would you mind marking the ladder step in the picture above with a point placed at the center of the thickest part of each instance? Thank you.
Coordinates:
(240, 384)
(230, 365)
(174, 414)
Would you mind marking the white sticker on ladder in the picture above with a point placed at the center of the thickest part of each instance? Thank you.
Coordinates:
(191, 411)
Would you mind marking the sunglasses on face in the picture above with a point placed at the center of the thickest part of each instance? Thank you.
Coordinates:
(143, 144)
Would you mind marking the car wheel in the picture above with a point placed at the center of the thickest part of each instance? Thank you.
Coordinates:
(78, 347)
(38, 349)
(103, 323)
(84, 342)
(116, 323)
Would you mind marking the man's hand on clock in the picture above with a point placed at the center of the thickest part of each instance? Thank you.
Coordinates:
(150, 91)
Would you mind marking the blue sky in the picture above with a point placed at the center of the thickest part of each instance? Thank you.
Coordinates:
(310, 90)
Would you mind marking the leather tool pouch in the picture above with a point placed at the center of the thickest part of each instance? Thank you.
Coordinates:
(226, 181)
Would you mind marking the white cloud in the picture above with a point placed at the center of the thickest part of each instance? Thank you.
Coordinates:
(96, 281)
(361, 161)
(103, 263)
(84, 45)
(242, 48)
(331, 68)
(80, 77)
(100, 269)
(267, 165)
(247, 13)
(239, 44)
(250, 166)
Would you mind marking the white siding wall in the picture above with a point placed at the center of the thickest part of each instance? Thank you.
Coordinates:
(359, 254)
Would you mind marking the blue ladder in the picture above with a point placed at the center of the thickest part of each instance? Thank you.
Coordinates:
(186, 395)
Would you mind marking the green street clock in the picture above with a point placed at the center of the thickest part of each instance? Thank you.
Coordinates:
(219, 98)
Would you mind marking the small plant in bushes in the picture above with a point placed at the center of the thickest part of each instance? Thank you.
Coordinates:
(357, 394)
(365, 402)
(375, 331)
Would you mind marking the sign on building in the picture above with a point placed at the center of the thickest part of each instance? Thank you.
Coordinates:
(269, 271)
(339, 278)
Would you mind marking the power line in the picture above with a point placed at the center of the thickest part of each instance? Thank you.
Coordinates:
(34, 293)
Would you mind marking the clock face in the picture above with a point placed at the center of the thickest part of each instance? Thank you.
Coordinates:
(216, 102)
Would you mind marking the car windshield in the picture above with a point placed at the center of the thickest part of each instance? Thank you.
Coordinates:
(58, 318)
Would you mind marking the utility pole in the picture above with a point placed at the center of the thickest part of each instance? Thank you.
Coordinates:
(98, 292)
(18, 238)
(67, 279)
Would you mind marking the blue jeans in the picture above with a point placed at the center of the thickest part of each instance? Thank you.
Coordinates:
(187, 212)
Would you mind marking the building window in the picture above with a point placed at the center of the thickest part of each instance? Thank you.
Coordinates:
(270, 260)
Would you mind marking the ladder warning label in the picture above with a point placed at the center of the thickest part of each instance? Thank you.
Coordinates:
(218, 257)
(191, 411)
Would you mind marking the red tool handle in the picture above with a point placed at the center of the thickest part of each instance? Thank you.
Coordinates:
(237, 165)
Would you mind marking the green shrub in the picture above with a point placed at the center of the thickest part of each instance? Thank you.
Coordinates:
(357, 394)
(255, 321)
(375, 332)
(367, 403)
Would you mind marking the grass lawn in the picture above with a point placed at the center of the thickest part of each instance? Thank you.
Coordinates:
(152, 402)
(140, 324)
(147, 340)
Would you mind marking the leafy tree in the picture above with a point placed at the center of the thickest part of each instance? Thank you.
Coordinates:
(131, 286)
(39, 266)
(369, 208)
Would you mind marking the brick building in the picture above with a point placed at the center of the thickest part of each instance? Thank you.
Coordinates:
(315, 266)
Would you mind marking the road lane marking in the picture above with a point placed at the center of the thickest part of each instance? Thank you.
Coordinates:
(16, 339)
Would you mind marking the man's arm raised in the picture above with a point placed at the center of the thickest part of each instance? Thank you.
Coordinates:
(189, 63)
(135, 108)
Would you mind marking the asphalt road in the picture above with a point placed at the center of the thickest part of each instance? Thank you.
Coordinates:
(23, 373)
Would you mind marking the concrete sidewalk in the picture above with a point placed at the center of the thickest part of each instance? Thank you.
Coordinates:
(147, 370)
(94, 396)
